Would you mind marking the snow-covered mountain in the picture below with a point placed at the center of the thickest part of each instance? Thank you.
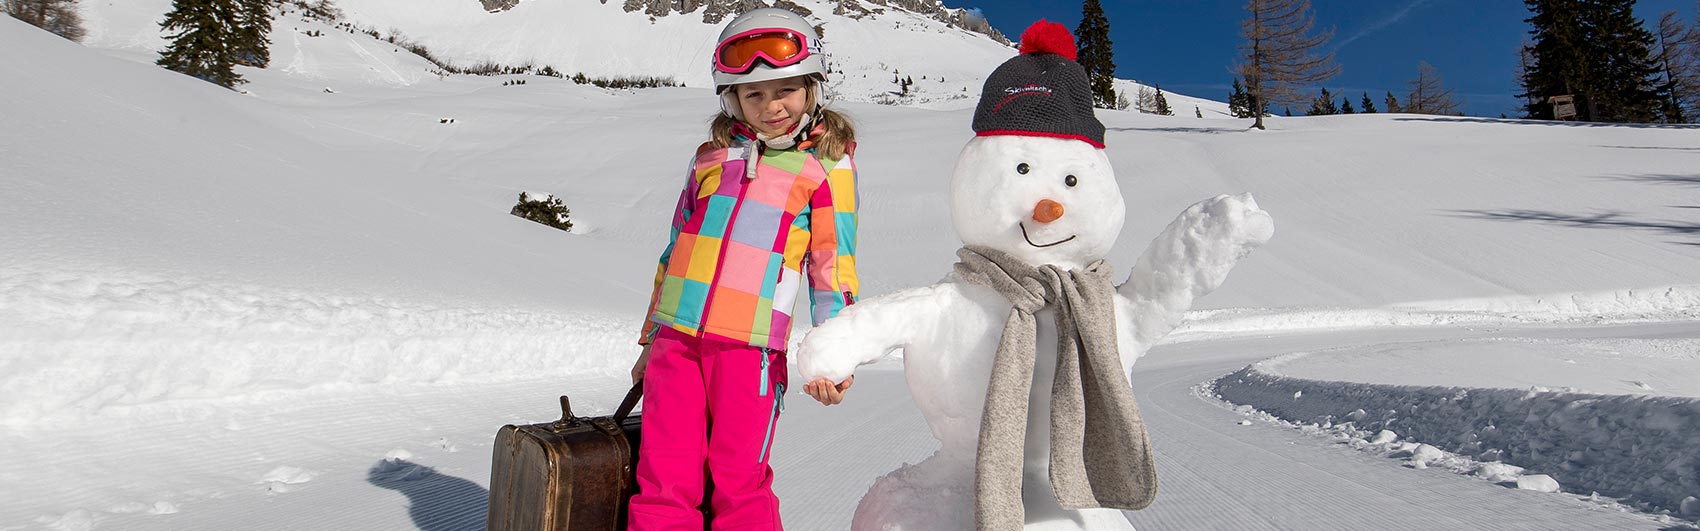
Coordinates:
(714, 11)
(873, 45)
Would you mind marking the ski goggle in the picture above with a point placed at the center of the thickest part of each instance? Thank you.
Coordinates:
(778, 47)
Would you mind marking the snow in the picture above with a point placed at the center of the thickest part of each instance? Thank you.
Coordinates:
(201, 288)
(1499, 472)
(81, 344)
(1425, 454)
(1636, 447)
(599, 39)
(1537, 483)
(1626, 366)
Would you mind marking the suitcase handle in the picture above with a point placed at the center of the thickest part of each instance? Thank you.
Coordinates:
(620, 415)
(630, 402)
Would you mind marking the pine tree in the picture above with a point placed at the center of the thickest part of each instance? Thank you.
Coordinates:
(1429, 94)
(57, 16)
(1237, 104)
(1558, 58)
(1280, 54)
(200, 45)
(1095, 54)
(1525, 64)
(1197, 111)
(1627, 70)
(1346, 106)
(1322, 105)
(1393, 104)
(1163, 103)
(1595, 50)
(252, 43)
(1369, 106)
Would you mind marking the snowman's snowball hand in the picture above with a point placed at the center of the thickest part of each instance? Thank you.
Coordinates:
(1234, 222)
(1192, 257)
(832, 351)
(1202, 244)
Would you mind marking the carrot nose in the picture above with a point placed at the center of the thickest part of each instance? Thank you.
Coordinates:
(1047, 211)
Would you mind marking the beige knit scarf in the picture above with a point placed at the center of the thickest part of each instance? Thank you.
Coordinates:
(1100, 454)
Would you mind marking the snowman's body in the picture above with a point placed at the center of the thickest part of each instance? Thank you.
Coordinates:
(949, 332)
(958, 346)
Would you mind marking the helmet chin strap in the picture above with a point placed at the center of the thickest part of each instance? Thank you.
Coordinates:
(798, 133)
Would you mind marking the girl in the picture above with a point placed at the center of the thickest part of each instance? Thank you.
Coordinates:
(771, 195)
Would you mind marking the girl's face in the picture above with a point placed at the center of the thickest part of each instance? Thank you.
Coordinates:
(773, 107)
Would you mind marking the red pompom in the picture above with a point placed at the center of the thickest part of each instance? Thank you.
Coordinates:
(1048, 37)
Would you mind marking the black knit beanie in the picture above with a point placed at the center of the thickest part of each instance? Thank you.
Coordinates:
(1041, 92)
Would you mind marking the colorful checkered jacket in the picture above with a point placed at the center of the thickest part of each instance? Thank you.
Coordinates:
(749, 221)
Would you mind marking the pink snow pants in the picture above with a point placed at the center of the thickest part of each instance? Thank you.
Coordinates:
(707, 407)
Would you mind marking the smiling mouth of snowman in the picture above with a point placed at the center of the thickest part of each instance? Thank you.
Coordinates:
(1029, 239)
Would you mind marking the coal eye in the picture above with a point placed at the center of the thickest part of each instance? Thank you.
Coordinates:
(1071, 181)
(1022, 168)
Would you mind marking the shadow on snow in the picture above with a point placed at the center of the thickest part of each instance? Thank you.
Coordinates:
(436, 502)
(1547, 123)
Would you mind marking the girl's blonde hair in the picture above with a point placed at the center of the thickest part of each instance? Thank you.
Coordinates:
(835, 139)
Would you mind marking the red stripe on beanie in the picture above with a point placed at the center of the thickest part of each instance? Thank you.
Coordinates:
(1045, 134)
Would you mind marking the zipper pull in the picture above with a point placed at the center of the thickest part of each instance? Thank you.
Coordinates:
(764, 363)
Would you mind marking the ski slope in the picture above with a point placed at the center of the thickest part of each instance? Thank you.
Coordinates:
(301, 308)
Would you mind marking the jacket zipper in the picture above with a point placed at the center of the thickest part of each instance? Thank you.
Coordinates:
(773, 421)
(726, 239)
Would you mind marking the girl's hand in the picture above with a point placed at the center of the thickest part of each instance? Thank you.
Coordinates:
(827, 393)
(642, 362)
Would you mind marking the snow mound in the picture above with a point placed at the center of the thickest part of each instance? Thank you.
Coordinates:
(1498, 472)
(1537, 483)
(289, 475)
(1663, 366)
(1670, 303)
(73, 346)
(1636, 448)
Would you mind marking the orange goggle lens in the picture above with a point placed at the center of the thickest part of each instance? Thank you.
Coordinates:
(780, 49)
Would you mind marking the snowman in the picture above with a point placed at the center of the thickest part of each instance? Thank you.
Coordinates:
(1019, 359)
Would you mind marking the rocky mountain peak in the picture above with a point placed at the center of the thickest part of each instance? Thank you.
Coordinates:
(717, 11)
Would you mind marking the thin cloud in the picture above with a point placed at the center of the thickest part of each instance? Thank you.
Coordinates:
(1383, 23)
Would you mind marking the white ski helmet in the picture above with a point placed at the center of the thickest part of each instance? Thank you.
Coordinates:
(811, 62)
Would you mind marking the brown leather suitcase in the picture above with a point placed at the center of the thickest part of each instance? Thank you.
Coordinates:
(574, 474)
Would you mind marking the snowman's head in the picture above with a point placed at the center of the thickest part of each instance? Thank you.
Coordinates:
(1043, 200)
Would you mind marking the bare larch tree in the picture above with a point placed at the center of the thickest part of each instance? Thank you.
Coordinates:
(1677, 56)
(1429, 94)
(1280, 55)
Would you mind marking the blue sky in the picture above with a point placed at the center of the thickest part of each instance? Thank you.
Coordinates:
(1187, 45)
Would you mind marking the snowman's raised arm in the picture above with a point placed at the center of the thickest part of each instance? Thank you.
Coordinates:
(870, 329)
(1189, 259)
